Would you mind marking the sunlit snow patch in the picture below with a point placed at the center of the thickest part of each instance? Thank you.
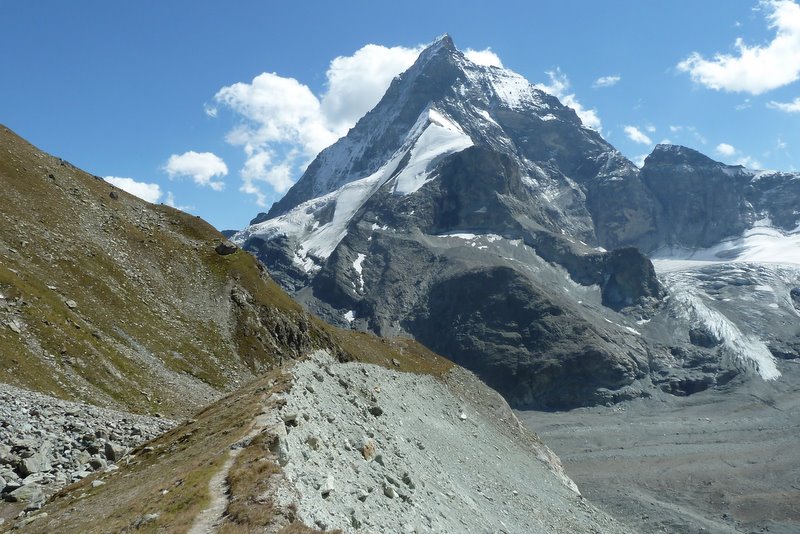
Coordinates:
(760, 244)
(440, 137)
(358, 265)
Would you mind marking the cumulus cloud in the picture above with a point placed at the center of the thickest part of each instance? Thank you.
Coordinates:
(145, 191)
(724, 149)
(284, 124)
(259, 168)
(606, 81)
(637, 136)
(202, 167)
(755, 69)
(483, 57)
(787, 107)
(559, 87)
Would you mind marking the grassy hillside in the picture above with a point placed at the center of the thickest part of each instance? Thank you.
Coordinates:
(112, 300)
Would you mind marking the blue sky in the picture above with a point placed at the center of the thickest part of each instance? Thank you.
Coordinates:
(137, 90)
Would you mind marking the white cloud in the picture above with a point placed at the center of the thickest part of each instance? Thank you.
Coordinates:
(210, 110)
(637, 136)
(749, 162)
(639, 160)
(201, 167)
(606, 81)
(724, 149)
(483, 57)
(356, 83)
(259, 168)
(149, 192)
(787, 107)
(678, 130)
(559, 87)
(650, 128)
(284, 124)
(755, 69)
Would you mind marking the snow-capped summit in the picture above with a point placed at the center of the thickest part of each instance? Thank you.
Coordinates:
(442, 78)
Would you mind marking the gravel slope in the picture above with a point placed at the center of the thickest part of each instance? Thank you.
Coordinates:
(369, 449)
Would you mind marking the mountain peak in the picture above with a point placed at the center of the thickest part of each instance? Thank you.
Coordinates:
(678, 153)
(444, 41)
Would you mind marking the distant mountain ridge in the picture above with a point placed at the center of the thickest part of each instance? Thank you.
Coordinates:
(474, 212)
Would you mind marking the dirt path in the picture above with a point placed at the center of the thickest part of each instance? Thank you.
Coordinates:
(208, 521)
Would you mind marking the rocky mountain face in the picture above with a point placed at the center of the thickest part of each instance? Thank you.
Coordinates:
(477, 214)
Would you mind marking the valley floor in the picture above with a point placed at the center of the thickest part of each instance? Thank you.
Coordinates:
(717, 461)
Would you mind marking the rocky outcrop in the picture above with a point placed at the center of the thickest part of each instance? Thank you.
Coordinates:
(522, 341)
(629, 278)
(225, 247)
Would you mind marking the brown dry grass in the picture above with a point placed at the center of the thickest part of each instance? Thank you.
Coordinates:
(171, 480)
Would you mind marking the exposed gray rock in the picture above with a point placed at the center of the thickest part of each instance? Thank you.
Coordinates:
(45, 442)
(114, 452)
(29, 493)
(38, 462)
(460, 482)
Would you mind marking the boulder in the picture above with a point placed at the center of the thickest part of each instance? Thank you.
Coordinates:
(279, 445)
(114, 452)
(29, 493)
(369, 449)
(225, 248)
(37, 463)
(328, 486)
